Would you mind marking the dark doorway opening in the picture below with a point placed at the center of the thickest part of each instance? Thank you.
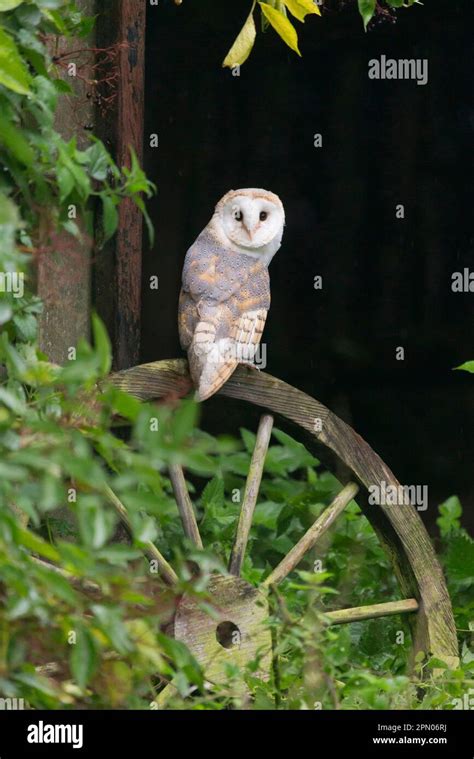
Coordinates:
(386, 281)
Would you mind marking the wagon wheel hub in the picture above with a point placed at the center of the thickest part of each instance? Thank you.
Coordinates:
(230, 629)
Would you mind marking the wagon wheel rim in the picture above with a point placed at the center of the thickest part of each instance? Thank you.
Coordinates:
(398, 527)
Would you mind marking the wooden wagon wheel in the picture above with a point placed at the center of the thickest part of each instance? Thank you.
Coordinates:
(241, 608)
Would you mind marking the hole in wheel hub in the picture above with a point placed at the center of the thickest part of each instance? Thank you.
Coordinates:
(228, 634)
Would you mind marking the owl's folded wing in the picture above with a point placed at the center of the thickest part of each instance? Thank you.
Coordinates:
(217, 348)
(223, 307)
(212, 271)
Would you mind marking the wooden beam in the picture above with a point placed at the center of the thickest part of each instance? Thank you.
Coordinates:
(310, 538)
(118, 266)
(358, 613)
(63, 276)
(132, 18)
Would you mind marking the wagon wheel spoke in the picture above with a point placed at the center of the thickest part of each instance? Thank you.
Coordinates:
(185, 506)
(252, 487)
(358, 613)
(165, 570)
(322, 523)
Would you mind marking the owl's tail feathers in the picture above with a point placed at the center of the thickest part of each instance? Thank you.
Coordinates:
(211, 382)
(211, 362)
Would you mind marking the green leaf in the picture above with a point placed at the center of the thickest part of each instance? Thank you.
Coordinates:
(282, 26)
(8, 5)
(459, 559)
(63, 87)
(149, 224)
(6, 312)
(118, 554)
(11, 401)
(14, 141)
(450, 514)
(38, 683)
(52, 4)
(109, 216)
(56, 18)
(8, 213)
(57, 584)
(468, 366)
(111, 623)
(37, 545)
(184, 420)
(95, 524)
(249, 439)
(124, 404)
(26, 325)
(213, 494)
(301, 8)
(366, 10)
(68, 159)
(13, 72)
(65, 182)
(28, 15)
(83, 658)
(102, 344)
(243, 44)
(99, 161)
(182, 658)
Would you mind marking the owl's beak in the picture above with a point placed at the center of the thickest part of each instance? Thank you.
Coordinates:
(248, 231)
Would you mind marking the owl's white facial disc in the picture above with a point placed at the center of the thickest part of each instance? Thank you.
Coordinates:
(252, 219)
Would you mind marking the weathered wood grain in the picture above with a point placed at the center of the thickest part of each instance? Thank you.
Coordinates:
(358, 613)
(131, 93)
(399, 526)
(118, 265)
(311, 536)
(185, 506)
(252, 487)
(244, 609)
(165, 570)
(63, 275)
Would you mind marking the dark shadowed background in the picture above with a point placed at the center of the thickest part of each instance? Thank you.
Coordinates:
(386, 282)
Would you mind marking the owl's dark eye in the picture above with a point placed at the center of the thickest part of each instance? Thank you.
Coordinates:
(263, 215)
(238, 215)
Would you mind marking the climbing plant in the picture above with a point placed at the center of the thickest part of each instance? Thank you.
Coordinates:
(43, 176)
(283, 15)
(80, 624)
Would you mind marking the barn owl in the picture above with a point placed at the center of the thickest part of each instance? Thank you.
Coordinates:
(225, 293)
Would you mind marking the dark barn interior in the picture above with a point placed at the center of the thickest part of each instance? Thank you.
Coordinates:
(386, 281)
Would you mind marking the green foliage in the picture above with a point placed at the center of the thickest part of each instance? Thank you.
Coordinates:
(98, 641)
(274, 13)
(366, 10)
(82, 613)
(468, 366)
(40, 172)
(65, 645)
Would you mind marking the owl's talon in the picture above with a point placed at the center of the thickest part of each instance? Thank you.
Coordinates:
(250, 364)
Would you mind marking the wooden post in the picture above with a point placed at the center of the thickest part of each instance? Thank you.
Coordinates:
(118, 267)
(129, 235)
(64, 269)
